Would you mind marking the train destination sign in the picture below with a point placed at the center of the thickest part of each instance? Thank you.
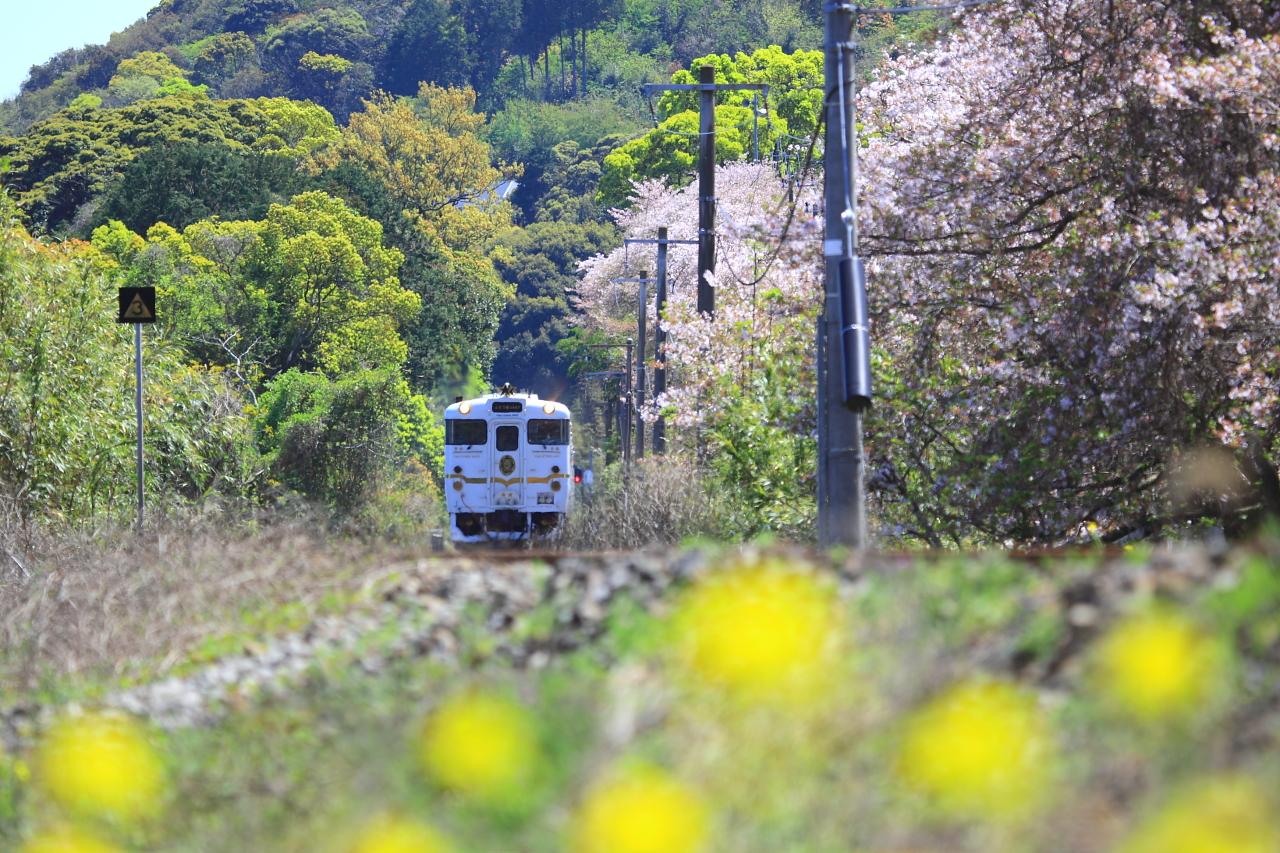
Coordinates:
(137, 305)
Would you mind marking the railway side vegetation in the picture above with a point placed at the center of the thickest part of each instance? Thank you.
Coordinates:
(1074, 335)
(1101, 702)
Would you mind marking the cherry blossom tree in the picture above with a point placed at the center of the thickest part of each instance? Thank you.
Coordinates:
(1071, 211)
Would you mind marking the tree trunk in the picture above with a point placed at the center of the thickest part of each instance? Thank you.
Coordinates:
(564, 85)
(583, 60)
(546, 74)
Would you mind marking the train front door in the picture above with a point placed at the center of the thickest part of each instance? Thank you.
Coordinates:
(508, 467)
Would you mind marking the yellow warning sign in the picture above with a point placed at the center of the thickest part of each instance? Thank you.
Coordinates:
(137, 305)
(137, 309)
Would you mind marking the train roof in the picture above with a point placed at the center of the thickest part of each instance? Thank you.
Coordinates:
(532, 404)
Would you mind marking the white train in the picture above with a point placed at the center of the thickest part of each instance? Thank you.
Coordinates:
(508, 467)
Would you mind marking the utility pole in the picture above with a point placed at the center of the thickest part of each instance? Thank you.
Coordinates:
(659, 333)
(627, 408)
(824, 537)
(845, 373)
(659, 344)
(706, 87)
(755, 127)
(706, 189)
(642, 315)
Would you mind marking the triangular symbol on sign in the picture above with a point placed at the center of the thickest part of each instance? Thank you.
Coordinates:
(137, 309)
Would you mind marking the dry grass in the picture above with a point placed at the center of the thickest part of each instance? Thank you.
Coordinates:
(102, 604)
(662, 500)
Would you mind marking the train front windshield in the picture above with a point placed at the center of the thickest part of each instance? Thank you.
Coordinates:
(470, 432)
(545, 432)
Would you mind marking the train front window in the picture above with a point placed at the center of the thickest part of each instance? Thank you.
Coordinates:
(460, 431)
(508, 438)
(543, 431)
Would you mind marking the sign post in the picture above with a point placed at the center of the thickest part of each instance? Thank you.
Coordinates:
(137, 306)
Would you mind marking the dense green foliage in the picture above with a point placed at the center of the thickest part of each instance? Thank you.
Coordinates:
(784, 117)
(61, 165)
(183, 182)
(66, 395)
(542, 261)
(339, 440)
(319, 196)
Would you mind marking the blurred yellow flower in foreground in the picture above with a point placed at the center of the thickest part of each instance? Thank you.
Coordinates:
(1159, 664)
(762, 632)
(982, 749)
(1225, 815)
(480, 745)
(65, 840)
(390, 834)
(642, 810)
(101, 764)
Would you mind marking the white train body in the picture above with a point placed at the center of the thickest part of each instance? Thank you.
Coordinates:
(508, 467)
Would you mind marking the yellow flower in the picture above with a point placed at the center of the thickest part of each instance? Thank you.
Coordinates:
(981, 749)
(479, 745)
(643, 810)
(101, 764)
(1158, 665)
(66, 840)
(391, 834)
(1224, 815)
(763, 632)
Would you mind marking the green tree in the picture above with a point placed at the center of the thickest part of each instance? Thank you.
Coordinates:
(669, 151)
(310, 286)
(253, 16)
(62, 164)
(223, 56)
(420, 168)
(430, 45)
(542, 261)
(66, 415)
(339, 440)
(182, 183)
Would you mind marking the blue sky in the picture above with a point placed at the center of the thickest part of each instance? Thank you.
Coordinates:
(32, 31)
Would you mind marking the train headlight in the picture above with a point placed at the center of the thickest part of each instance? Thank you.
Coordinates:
(464, 408)
(549, 408)
(457, 485)
(555, 485)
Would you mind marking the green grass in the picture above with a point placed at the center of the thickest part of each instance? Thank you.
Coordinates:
(304, 770)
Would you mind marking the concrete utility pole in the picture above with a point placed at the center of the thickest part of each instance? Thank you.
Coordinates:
(627, 408)
(659, 333)
(659, 344)
(845, 374)
(706, 87)
(706, 189)
(642, 315)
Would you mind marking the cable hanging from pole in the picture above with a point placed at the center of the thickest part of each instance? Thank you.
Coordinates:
(905, 10)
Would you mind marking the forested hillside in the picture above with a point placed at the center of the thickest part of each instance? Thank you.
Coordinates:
(320, 191)
(355, 210)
